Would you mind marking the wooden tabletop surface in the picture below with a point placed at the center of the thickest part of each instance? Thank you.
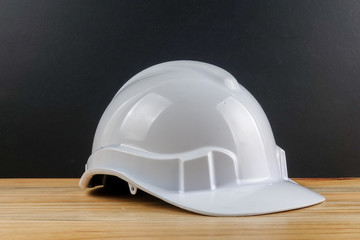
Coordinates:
(58, 209)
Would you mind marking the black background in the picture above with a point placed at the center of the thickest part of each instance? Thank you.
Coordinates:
(61, 62)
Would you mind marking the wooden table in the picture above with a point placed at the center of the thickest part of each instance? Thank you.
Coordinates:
(58, 209)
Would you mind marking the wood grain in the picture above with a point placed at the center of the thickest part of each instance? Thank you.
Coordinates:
(58, 209)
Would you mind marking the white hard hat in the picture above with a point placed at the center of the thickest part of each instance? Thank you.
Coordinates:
(189, 134)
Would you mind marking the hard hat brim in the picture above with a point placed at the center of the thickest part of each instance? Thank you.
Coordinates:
(230, 200)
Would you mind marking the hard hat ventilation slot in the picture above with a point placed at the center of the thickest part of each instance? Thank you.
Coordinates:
(196, 174)
(282, 162)
(208, 172)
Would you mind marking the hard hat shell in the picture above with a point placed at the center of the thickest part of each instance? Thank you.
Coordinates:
(188, 133)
